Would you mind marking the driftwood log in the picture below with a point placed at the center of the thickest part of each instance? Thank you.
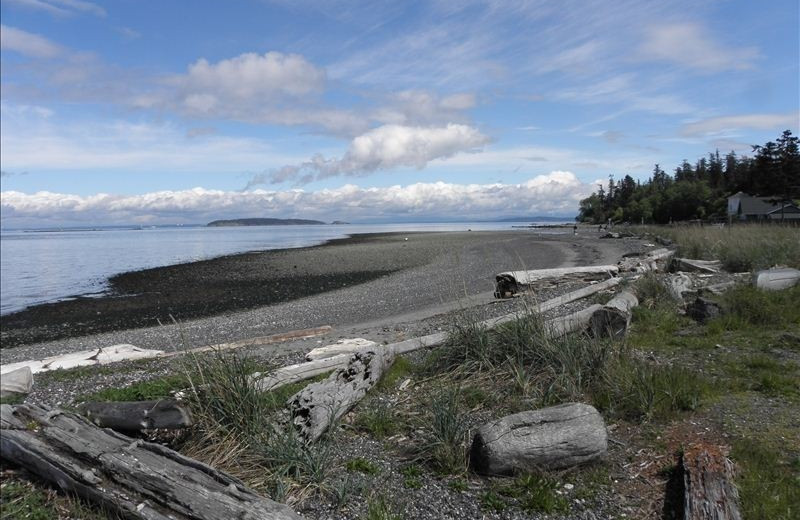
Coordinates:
(100, 356)
(699, 266)
(302, 371)
(133, 416)
(651, 261)
(136, 479)
(509, 283)
(776, 279)
(16, 382)
(315, 408)
(709, 491)
(613, 318)
(343, 346)
(551, 438)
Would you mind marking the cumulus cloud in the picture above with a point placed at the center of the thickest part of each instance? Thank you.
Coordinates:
(29, 44)
(726, 124)
(689, 44)
(383, 148)
(555, 193)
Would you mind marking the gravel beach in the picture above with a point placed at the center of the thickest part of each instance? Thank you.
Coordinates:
(364, 279)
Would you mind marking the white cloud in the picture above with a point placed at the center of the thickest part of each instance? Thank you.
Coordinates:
(555, 193)
(29, 44)
(383, 148)
(61, 7)
(688, 44)
(728, 124)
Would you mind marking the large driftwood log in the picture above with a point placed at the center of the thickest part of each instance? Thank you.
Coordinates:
(315, 408)
(776, 279)
(302, 371)
(614, 318)
(651, 261)
(100, 356)
(551, 438)
(16, 382)
(137, 479)
(575, 322)
(133, 416)
(709, 491)
(509, 283)
(343, 346)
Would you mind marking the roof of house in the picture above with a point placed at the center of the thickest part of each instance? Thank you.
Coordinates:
(756, 205)
(787, 208)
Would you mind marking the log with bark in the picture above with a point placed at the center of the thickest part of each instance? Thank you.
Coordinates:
(509, 283)
(614, 318)
(558, 437)
(302, 371)
(132, 416)
(708, 489)
(315, 408)
(133, 478)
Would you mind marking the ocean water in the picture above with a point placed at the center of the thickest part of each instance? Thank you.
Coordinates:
(46, 266)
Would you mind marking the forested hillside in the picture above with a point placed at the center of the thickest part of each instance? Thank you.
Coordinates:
(699, 191)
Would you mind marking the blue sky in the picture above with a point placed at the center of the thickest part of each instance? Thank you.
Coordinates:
(167, 112)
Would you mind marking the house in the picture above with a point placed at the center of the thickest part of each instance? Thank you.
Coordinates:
(742, 206)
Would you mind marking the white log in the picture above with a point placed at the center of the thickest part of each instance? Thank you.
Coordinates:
(700, 266)
(575, 322)
(302, 371)
(558, 437)
(776, 279)
(343, 346)
(101, 356)
(319, 405)
(650, 261)
(16, 382)
(614, 318)
(512, 282)
(677, 284)
(125, 476)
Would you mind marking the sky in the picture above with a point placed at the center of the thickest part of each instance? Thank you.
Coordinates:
(179, 112)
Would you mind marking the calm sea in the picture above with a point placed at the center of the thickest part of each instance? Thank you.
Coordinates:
(38, 267)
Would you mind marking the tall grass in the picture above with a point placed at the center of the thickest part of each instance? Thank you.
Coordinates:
(744, 247)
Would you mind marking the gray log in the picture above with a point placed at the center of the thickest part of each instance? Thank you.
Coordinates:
(776, 279)
(16, 383)
(551, 438)
(700, 266)
(138, 415)
(709, 491)
(315, 408)
(703, 310)
(650, 261)
(134, 478)
(510, 283)
(614, 318)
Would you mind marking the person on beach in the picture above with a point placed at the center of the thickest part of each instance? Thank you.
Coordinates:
(575, 229)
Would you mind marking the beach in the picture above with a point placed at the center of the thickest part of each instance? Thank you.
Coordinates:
(344, 282)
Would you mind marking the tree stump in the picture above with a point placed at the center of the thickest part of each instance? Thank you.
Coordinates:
(551, 438)
(614, 318)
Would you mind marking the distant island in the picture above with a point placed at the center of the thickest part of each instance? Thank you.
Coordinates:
(264, 222)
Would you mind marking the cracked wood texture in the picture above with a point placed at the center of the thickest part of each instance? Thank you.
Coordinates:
(137, 479)
(557, 437)
(709, 491)
(315, 408)
(614, 318)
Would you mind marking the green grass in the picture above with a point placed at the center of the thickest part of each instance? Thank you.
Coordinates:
(379, 508)
(377, 419)
(361, 465)
(445, 433)
(159, 388)
(401, 368)
(22, 499)
(768, 481)
(412, 474)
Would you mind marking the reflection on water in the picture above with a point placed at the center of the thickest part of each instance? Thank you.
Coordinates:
(37, 267)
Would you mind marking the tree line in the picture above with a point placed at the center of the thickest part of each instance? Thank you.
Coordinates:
(699, 191)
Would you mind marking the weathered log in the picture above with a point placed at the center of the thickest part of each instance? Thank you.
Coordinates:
(551, 438)
(614, 318)
(302, 371)
(650, 261)
(677, 284)
(101, 356)
(134, 478)
(718, 288)
(709, 491)
(700, 266)
(703, 310)
(167, 414)
(577, 321)
(343, 346)
(776, 279)
(257, 341)
(16, 382)
(510, 283)
(315, 408)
